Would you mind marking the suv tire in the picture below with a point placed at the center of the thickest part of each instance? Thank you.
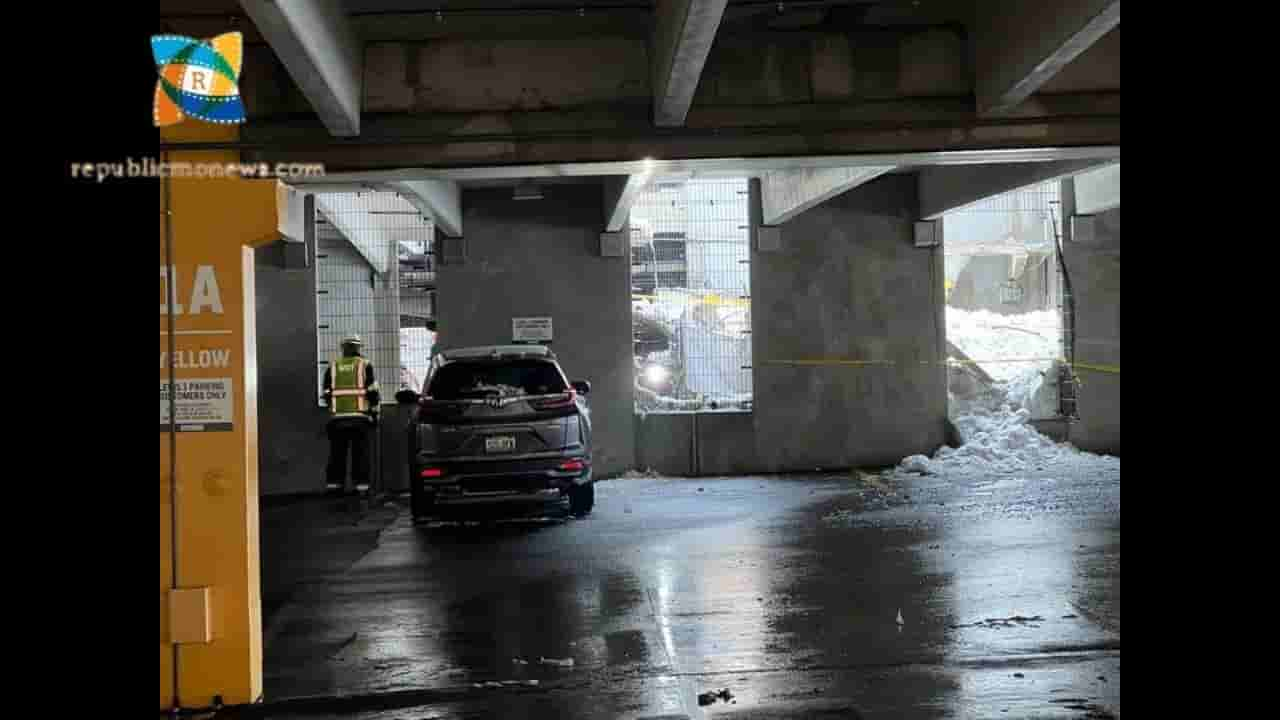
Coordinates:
(420, 506)
(581, 499)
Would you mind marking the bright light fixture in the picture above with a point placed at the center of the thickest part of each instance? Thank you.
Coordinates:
(655, 374)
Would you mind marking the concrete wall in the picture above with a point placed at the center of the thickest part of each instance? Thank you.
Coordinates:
(541, 258)
(665, 443)
(697, 444)
(848, 284)
(1094, 271)
(977, 286)
(292, 447)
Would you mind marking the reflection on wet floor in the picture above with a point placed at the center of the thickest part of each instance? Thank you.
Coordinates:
(743, 586)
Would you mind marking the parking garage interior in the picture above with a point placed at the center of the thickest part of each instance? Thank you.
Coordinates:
(761, 231)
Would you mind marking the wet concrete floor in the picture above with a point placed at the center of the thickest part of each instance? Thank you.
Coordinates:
(785, 591)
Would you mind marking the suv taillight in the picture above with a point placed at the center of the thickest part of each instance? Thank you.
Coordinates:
(560, 401)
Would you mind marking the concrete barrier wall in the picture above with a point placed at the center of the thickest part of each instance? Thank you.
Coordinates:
(664, 443)
(695, 445)
(542, 258)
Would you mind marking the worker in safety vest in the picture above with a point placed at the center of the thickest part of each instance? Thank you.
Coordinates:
(351, 391)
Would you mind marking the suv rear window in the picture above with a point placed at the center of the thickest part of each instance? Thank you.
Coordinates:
(473, 379)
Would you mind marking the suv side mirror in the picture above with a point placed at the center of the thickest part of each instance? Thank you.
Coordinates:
(582, 386)
(407, 397)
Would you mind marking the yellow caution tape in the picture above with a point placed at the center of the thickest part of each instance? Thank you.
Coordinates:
(704, 300)
(1098, 368)
(829, 362)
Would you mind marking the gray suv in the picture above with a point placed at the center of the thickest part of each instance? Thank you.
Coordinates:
(499, 426)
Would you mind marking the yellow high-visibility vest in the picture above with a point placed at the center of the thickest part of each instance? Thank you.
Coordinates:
(349, 394)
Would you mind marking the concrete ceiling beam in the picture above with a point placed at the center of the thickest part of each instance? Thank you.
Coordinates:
(1097, 190)
(439, 199)
(720, 167)
(1019, 46)
(375, 223)
(947, 189)
(683, 33)
(620, 194)
(321, 51)
(787, 193)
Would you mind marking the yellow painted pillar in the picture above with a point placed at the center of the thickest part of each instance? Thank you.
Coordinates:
(210, 605)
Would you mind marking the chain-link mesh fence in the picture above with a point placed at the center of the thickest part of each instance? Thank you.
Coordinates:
(1004, 302)
(691, 295)
(375, 278)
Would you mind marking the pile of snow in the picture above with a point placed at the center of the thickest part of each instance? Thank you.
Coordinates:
(1003, 442)
(1019, 352)
(1006, 345)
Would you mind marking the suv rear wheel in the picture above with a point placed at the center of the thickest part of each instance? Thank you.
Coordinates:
(420, 505)
(581, 499)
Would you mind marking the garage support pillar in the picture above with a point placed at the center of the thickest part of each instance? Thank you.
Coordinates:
(210, 606)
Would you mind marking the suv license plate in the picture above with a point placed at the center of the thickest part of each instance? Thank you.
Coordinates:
(500, 443)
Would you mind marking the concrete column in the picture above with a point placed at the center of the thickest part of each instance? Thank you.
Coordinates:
(1093, 266)
(541, 258)
(848, 337)
(1098, 190)
(210, 612)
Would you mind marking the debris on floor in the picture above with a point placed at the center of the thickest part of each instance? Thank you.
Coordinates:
(709, 698)
(916, 464)
(519, 661)
(1015, 621)
(900, 620)
(343, 645)
(840, 517)
(558, 662)
(499, 684)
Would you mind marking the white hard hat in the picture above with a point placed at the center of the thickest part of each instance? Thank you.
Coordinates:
(352, 339)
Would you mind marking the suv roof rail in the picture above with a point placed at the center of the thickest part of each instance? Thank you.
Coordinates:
(499, 351)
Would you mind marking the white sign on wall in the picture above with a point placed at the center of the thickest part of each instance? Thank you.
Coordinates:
(202, 405)
(531, 329)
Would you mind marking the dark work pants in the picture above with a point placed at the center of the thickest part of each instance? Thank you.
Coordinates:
(353, 434)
